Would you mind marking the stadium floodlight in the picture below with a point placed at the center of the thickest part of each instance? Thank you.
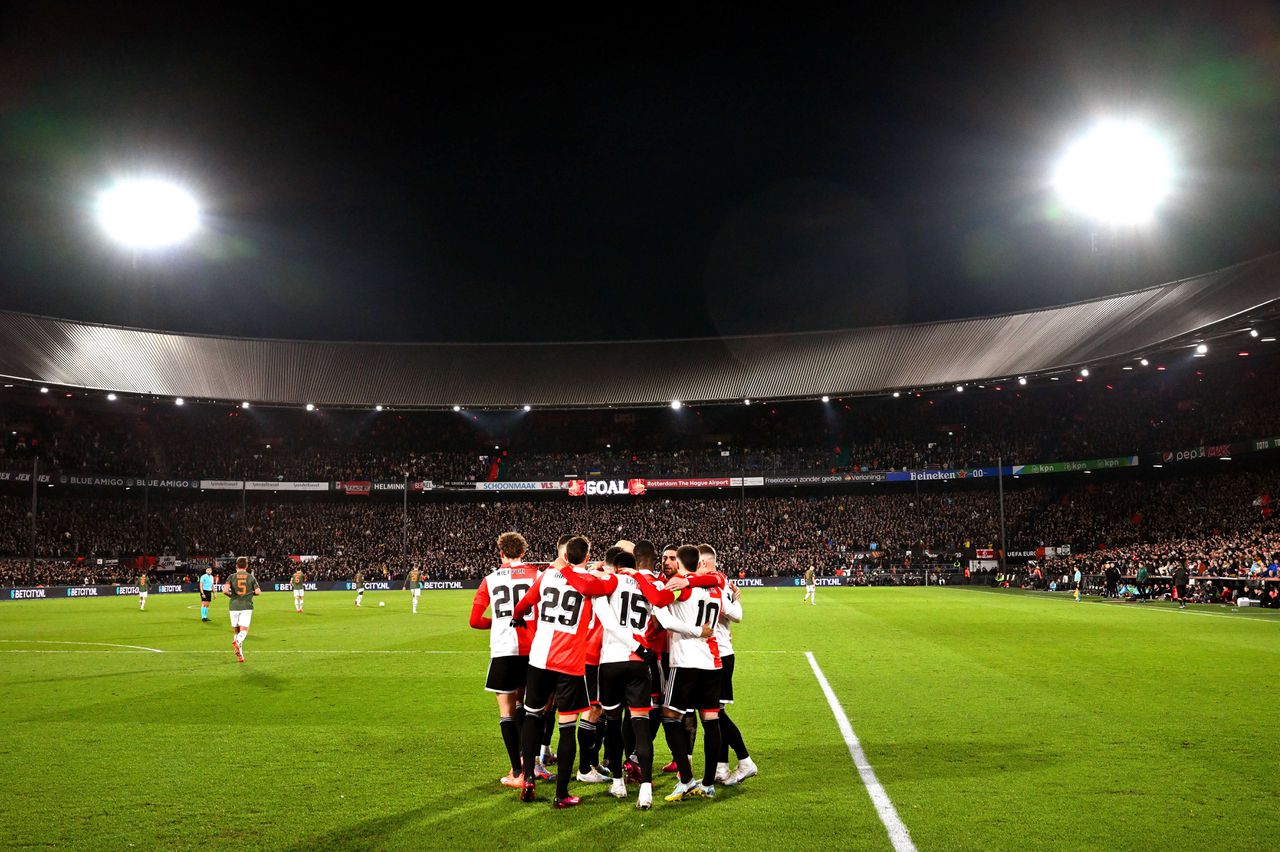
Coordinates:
(1202, 350)
(311, 406)
(1144, 362)
(148, 213)
(244, 405)
(1085, 372)
(1253, 332)
(746, 402)
(826, 398)
(896, 394)
(1118, 172)
(959, 388)
(179, 401)
(377, 408)
(676, 404)
(1022, 380)
(457, 408)
(44, 390)
(111, 397)
(528, 408)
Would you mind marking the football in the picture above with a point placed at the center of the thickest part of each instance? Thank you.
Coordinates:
(382, 603)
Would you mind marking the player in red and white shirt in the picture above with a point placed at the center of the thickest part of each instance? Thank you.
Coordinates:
(694, 682)
(730, 736)
(508, 644)
(557, 659)
(625, 664)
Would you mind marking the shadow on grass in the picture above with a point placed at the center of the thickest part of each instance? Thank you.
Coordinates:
(913, 761)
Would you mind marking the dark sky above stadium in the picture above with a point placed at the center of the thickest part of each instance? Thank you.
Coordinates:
(371, 174)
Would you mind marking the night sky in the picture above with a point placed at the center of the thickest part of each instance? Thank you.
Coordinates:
(371, 176)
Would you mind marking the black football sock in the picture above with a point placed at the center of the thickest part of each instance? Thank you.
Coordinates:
(566, 751)
(613, 728)
(710, 749)
(548, 725)
(628, 736)
(586, 735)
(644, 747)
(511, 739)
(530, 736)
(519, 716)
(691, 730)
(678, 740)
(731, 737)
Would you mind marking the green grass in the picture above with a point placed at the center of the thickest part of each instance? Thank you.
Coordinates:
(994, 721)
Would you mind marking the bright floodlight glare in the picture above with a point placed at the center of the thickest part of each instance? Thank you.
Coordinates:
(179, 401)
(44, 390)
(377, 408)
(746, 402)
(528, 408)
(244, 405)
(1085, 372)
(1022, 380)
(959, 388)
(675, 404)
(896, 394)
(1118, 172)
(148, 213)
(826, 398)
(1253, 332)
(457, 408)
(111, 397)
(1202, 349)
(1144, 362)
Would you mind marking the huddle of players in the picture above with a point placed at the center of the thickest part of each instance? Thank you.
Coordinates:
(570, 643)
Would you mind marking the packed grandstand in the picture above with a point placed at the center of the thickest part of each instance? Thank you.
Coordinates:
(1164, 464)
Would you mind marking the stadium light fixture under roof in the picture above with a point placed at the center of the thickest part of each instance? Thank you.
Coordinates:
(244, 405)
(826, 398)
(1085, 372)
(44, 390)
(111, 397)
(1117, 172)
(148, 213)
(676, 404)
(179, 401)
(457, 408)
(528, 408)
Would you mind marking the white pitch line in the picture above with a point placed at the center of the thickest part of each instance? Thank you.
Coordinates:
(898, 834)
(61, 642)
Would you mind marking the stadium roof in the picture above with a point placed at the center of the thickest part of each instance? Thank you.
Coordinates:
(629, 373)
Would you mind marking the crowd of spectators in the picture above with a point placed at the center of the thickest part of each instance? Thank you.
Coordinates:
(1116, 413)
(1220, 520)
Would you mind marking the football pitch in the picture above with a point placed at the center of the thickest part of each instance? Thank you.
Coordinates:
(993, 721)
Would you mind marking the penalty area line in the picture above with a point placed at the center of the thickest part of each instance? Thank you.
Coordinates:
(898, 834)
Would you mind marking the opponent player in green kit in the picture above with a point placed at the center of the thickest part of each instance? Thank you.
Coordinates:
(298, 591)
(413, 582)
(144, 586)
(241, 587)
(359, 586)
